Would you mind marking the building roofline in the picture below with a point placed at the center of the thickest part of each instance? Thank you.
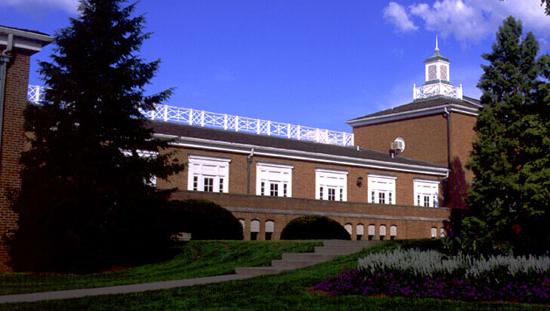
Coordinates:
(244, 148)
(451, 106)
(25, 39)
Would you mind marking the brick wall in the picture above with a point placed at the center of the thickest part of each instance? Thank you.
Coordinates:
(425, 137)
(13, 142)
(303, 180)
(462, 137)
(412, 222)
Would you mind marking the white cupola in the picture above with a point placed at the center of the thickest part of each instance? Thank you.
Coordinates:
(437, 78)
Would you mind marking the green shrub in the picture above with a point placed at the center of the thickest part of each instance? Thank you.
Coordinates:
(314, 228)
(205, 220)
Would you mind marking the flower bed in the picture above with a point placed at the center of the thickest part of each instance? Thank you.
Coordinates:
(415, 273)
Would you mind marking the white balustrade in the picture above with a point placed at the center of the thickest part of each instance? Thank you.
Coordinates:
(437, 89)
(201, 118)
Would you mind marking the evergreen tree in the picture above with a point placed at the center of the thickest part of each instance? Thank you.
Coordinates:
(86, 199)
(510, 195)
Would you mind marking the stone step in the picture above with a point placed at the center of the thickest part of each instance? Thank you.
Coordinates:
(294, 264)
(306, 257)
(259, 270)
(337, 251)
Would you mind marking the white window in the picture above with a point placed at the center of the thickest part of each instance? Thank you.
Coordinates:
(442, 233)
(208, 174)
(274, 180)
(426, 193)
(331, 185)
(381, 189)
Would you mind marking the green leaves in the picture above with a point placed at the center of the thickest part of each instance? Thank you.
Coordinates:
(510, 160)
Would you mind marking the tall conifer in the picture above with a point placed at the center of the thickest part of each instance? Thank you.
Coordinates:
(86, 199)
(510, 195)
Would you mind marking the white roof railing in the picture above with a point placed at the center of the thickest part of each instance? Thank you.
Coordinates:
(201, 118)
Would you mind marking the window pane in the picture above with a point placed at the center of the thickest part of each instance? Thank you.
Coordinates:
(221, 185)
(331, 194)
(321, 193)
(274, 190)
(195, 183)
(285, 190)
(262, 188)
(390, 200)
(426, 201)
(208, 184)
(381, 198)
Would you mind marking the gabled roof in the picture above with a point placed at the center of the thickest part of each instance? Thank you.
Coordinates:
(433, 105)
(287, 148)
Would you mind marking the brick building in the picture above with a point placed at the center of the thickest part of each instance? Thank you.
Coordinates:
(389, 179)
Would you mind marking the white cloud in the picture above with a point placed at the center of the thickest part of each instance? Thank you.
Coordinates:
(473, 20)
(397, 15)
(67, 5)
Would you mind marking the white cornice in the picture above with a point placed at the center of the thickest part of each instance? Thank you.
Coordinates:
(214, 145)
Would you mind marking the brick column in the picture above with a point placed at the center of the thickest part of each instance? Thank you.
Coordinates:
(13, 142)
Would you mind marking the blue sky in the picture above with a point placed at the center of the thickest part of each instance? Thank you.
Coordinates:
(311, 62)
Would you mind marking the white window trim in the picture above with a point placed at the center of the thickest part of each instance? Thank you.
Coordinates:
(377, 191)
(280, 167)
(433, 202)
(342, 183)
(222, 163)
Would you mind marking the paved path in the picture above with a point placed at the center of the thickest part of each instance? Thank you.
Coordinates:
(289, 261)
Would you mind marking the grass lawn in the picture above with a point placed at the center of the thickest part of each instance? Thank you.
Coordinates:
(288, 291)
(197, 259)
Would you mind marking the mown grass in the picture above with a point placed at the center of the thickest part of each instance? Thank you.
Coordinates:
(288, 291)
(196, 259)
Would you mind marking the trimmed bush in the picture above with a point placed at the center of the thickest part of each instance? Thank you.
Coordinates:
(314, 228)
(205, 220)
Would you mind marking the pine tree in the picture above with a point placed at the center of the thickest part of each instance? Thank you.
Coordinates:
(510, 196)
(86, 199)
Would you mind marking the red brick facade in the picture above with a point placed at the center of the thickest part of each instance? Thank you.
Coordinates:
(13, 138)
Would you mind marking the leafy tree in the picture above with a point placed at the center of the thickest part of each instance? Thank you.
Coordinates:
(547, 6)
(86, 199)
(510, 195)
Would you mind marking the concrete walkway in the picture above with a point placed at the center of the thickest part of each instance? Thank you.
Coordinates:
(289, 261)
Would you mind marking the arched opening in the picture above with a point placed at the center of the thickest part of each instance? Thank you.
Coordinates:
(393, 232)
(349, 229)
(359, 231)
(254, 229)
(269, 229)
(371, 231)
(382, 232)
(434, 232)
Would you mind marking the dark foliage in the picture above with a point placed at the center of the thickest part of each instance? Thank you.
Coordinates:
(356, 282)
(85, 200)
(510, 196)
(314, 228)
(205, 220)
